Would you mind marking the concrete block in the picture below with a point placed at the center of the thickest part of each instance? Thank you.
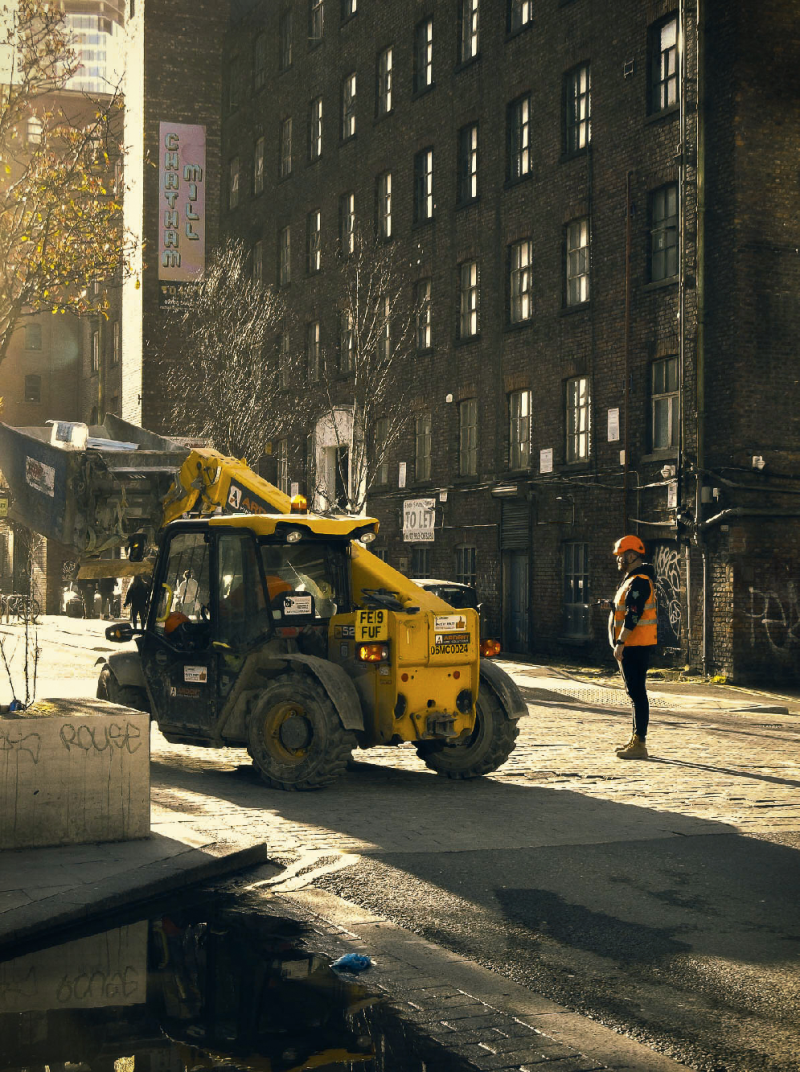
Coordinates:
(74, 772)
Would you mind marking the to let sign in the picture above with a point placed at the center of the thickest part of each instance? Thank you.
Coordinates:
(418, 519)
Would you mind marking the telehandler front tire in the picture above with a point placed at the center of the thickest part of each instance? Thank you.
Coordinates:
(108, 688)
(487, 748)
(295, 738)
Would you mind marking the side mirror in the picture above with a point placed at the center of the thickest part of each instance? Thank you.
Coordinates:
(137, 545)
(479, 608)
(120, 632)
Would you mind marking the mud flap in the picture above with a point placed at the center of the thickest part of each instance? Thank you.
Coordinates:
(337, 684)
(504, 688)
(126, 666)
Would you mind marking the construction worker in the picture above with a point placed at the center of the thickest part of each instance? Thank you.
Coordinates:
(632, 634)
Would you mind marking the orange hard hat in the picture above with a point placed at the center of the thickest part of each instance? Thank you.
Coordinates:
(629, 543)
(173, 620)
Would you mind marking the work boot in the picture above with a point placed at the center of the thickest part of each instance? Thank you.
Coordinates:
(636, 749)
(627, 744)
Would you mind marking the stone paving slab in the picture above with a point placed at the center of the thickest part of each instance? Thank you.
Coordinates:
(43, 891)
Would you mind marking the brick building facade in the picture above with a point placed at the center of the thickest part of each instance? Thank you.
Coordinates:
(605, 212)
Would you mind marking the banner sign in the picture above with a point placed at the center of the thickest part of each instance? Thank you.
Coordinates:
(182, 208)
(418, 520)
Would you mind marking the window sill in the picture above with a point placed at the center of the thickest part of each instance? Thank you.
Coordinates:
(509, 184)
(426, 351)
(284, 178)
(466, 64)
(660, 454)
(418, 93)
(465, 478)
(583, 465)
(314, 45)
(467, 204)
(580, 307)
(574, 154)
(348, 19)
(672, 112)
(659, 284)
(467, 339)
(316, 160)
(419, 225)
(520, 325)
(379, 118)
(347, 140)
(512, 34)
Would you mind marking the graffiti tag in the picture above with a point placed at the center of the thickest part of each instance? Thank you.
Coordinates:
(100, 738)
(19, 741)
(780, 618)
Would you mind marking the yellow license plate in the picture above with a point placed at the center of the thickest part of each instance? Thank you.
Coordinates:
(372, 626)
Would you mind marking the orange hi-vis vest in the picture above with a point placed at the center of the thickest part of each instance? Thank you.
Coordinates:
(646, 631)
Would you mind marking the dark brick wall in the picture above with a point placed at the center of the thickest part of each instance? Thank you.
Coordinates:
(747, 334)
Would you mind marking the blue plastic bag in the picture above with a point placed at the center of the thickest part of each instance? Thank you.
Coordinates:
(352, 962)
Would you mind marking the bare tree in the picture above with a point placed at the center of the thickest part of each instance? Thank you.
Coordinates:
(61, 232)
(222, 360)
(365, 384)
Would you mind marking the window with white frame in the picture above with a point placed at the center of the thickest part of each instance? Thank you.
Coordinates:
(663, 60)
(381, 452)
(312, 351)
(664, 232)
(348, 106)
(384, 325)
(346, 342)
(260, 62)
(285, 41)
(520, 13)
(316, 16)
(664, 403)
(384, 197)
(233, 183)
(315, 130)
(95, 350)
(284, 256)
(422, 309)
(422, 447)
(258, 262)
(466, 568)
(116, 343)
(283, 465)
(519, 429)
(468, 19)
(258, 166)
(420, 562)
(313, 242)
(349, 8)
(519, 138)
(423, 186)
(576, 589)
(578, 108)
(423, 56)
(577, 261)
(469, 300)
(520, 255)
(286, 147)
(384, 81)
(468, 163)
(468, 437)
(34, 129)
(284, 361)
(347, 223)
(578, 419)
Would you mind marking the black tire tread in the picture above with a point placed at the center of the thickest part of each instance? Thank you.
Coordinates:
(108, 688)
(500, 747)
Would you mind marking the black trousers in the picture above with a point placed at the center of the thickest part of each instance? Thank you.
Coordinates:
(635, 661)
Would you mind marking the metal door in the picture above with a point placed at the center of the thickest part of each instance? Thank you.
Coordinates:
(516, 569)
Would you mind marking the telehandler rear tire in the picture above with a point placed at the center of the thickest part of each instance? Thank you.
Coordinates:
(295, 738)
(487, 748)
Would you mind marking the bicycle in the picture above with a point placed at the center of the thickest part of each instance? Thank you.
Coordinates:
(26, 608)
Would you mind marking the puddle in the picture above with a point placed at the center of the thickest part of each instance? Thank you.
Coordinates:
(194, 989)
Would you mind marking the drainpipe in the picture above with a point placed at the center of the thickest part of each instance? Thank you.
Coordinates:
(700, 283)
(682, 317)
(627, 345)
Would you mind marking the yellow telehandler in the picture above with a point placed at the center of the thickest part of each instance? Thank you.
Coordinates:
(268, 626)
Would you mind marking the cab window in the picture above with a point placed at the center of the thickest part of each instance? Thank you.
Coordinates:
(183, 599)
(315, 568)
(243, 612)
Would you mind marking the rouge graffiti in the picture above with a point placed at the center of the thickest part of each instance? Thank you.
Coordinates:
(101, 738)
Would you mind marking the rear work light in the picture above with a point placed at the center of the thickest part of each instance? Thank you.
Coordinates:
(373, 653)
(490, 648)
(299, 504)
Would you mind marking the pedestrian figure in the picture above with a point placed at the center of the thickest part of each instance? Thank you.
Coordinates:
(106, 586)
(136, 599)
(186, 595)
(632, 634)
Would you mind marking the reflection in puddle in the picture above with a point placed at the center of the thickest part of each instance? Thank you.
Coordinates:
(197, 988)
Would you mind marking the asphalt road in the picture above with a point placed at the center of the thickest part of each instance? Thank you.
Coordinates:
(660, 899)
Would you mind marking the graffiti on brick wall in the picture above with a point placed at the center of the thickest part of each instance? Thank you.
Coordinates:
(776, 617)
(667, 566)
